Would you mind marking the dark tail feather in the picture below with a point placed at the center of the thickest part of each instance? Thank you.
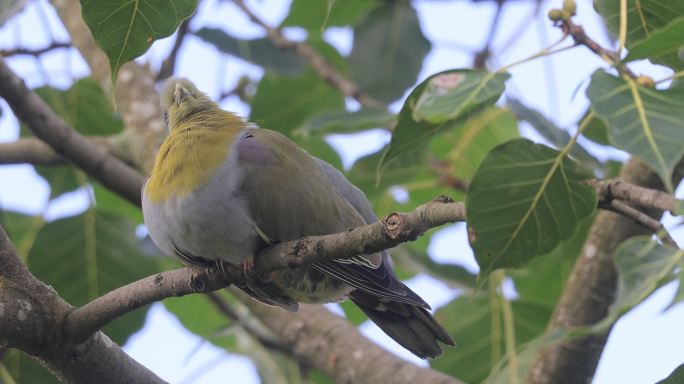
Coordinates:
(409, 325)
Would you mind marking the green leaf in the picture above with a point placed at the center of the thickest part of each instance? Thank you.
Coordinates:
(317, 15)
(125, 29)
(476, 325)
(596, 129)
(201, 317)
(464, 147)
(84, 106)
(525, 199)
(450, 95)
(346, 122)
(19, 227)
(424, 114)
(645, 122)
(642, 266)
(25, 370)
(676, 377)
(388, 51)
(644, 18)
(282, 103)
(543, 278)
(261, 51)
(552, 133)
(663, 41)
(88, 255)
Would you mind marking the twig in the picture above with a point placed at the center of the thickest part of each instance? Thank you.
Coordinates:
(168, 66)
(31, 150)
(383, 234)
(445, 176)
(581, 38)
(315, 60)
(633, 194)
(640, 218)
(46, 125)
(267, 340)
(480, 60)
(33, 52)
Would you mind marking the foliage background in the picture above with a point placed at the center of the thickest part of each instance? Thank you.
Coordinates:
(283, 94)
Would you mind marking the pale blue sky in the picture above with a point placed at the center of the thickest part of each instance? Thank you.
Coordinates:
(645, 345)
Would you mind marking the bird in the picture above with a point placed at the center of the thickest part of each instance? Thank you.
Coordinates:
(222, 189)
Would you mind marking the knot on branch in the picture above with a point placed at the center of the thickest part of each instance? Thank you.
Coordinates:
(395, 227)
(299, 250)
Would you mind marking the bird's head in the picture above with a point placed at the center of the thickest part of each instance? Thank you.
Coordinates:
(180, 99)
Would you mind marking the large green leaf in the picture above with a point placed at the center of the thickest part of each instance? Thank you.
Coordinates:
(463, 148)
(388, 50)
(441, 102)
(452, 94)
(642, 265)
(317, 15)
(346, 122)
(543, 278)
(125, 29)
(282, 103)
(260, 51)
(645, 122)
(525, 199)
(551, 132)
(664, 41)
(88, 255)
(476, 325)
(644, 18)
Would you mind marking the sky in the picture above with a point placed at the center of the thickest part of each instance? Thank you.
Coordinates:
(645, 345)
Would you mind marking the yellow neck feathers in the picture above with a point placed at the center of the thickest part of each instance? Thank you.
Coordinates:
(191, 154)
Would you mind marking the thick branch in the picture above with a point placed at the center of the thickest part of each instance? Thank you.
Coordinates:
(49, 127)
(315, 60)
(646, 221)
(331, 344)
(31, 320)
(591, 289)
(383, 234)
(30, 151)
(635, 195)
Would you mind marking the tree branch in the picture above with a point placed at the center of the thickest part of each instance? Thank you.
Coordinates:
(640, 218)
(330, 343)
(49, 127)
(383, 234)
(315, 60)
(29, 150)
(591, 288)
(168, 66)
(31, 320)
(581, 38)
(633, 194)
(33, 52)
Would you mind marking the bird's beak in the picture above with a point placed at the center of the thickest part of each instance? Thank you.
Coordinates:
(180, 93)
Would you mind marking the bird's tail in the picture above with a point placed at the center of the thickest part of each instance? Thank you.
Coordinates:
(410, 325)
